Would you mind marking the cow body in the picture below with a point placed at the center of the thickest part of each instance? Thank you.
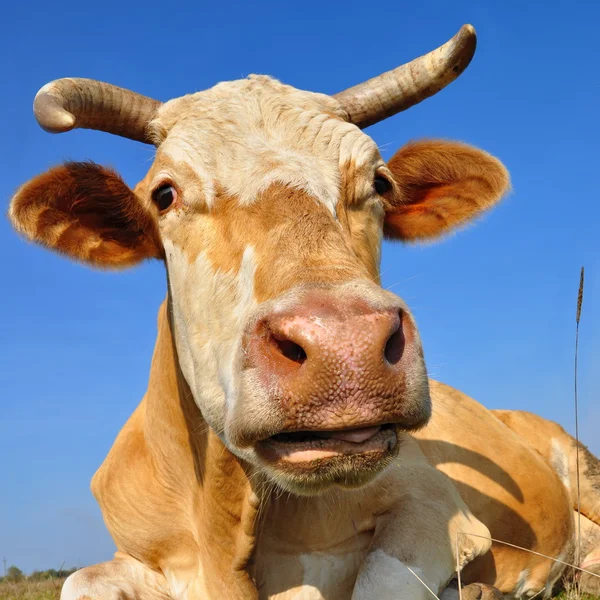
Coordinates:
(287, 446)
(230, 530)
(270, 544)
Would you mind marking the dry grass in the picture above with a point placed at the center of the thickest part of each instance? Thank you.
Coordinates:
(31, 590)
(50, 590)
(572, 595)
(571, 590)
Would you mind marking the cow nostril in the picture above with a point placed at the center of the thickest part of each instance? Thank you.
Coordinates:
(289, 349)
(394, 347)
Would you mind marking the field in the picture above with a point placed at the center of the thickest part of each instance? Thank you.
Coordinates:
(50, 590)
(26, 590)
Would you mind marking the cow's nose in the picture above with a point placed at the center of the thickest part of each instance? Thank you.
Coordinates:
(323, 337)
(335, 362)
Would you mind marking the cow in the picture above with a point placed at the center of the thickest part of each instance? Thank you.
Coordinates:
(290, 443)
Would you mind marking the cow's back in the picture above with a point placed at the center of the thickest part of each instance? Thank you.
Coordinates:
(506, 485)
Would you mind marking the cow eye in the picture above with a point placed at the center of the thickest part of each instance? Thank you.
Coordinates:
(164, 196)
(382, 185)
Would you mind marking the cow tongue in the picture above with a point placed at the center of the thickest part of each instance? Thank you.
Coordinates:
(356, 436)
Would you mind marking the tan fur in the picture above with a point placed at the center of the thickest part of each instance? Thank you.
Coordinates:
(442, 185)
(550, 439)
(505, 483)
(559, 449)
(290, 251)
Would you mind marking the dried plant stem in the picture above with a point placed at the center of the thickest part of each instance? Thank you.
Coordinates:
(577, 319)
(424, 584)
(458, 568)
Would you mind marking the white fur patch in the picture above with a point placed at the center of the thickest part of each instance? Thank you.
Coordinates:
(75, 587)
(210, 308)
(320, 570)
(383, 576)
(560, 461)
(178, 589)
(115, 580)
(79, 585)
(246, 135)
(523, 587)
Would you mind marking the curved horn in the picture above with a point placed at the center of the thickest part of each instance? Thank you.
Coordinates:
(71, 103)
(407, 85)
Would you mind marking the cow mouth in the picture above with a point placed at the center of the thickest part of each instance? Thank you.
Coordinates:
(309, 446)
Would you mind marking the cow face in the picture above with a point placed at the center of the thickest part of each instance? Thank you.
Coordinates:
(269, 208)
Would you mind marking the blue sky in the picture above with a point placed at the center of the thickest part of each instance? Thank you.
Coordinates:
(495, 303)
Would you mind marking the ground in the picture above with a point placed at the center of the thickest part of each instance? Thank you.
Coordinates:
(50, 590)
(40, 590)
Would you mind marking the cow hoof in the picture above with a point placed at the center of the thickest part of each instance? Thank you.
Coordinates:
(588, 583)
(473, 591)
(481, 591)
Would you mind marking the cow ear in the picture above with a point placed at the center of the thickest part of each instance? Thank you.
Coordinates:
(87, 212)
(440, 186)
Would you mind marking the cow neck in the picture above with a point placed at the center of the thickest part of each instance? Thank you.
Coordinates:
(171, 493)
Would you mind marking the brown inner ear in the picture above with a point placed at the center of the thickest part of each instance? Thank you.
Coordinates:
(108, 206)
(87, 212)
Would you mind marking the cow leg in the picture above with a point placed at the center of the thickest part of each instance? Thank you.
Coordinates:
(416, 542)
(122, 578)
(590, 551)
(590, 583)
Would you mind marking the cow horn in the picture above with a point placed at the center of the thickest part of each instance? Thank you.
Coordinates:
(71, 103)
(392, 92)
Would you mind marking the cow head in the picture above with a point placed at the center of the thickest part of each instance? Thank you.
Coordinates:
(268, 205)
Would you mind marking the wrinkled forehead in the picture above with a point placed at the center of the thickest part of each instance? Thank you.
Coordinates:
(243, 136)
